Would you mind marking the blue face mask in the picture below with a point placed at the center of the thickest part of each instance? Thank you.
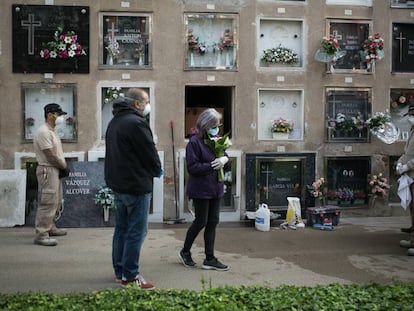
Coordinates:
(213, 131)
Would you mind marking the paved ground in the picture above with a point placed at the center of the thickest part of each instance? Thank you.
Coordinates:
(359, 250)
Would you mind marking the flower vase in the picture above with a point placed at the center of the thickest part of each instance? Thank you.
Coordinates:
(227, 59)
(280, 136)
(106, 213)
(29, 133)
(110, 60)
(191, 60)
(331, 67)
(218, 60)
(371, 66)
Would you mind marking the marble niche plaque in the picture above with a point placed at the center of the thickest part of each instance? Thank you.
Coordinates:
(272, 177)
(79, 189)
(402, 47)
(12, 197)
(34, 30)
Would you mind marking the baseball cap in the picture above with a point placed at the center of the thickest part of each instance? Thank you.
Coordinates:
(52, 107)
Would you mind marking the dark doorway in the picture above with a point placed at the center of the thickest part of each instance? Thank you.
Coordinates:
(198, 98)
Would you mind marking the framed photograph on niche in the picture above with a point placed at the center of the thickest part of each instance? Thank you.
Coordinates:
(126, 40)
(347, 109)
(50, 38)
(37, 95)
(211, 41)
(351, 35)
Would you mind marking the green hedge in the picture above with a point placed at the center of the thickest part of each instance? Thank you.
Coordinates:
(396, 296)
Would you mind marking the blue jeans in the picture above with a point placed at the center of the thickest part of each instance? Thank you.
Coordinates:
(131, 226)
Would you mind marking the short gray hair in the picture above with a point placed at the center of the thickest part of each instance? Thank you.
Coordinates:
(135, 94)
(207, 119)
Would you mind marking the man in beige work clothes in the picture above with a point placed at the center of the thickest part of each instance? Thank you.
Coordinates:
(49, 155)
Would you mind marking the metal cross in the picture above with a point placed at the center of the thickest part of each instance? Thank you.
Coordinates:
(400, 38)
(30, 24)
(112, 31)
(335, 35)
(267, 172)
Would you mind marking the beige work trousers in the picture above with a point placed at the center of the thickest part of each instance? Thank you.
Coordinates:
(49, 199)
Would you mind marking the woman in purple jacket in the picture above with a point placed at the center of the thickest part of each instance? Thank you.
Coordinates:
(204, 189)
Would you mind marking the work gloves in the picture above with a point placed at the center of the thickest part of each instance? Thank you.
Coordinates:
(219, 163)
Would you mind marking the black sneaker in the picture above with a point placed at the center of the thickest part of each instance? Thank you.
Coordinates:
(214, 264)
(186, 259)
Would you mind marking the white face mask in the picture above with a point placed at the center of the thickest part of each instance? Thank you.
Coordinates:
(147, 110)
(411, 120)
(59, 120)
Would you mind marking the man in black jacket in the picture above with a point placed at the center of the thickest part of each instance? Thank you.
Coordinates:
(131, 163)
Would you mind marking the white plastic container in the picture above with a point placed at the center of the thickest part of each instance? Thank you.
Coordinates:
(262, 218)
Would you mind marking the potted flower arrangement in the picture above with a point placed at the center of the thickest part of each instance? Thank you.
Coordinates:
(113, 50)
(192, 41)
(281, 128)
(378, 185)
(227, 40)
(373, 48)
(279, 55)
(105, 198)
(329, 50)
(318, 190)
(63, 45)
(69, 121)
(30, 121)
(112, 93)
(341, 125)
(377, 121)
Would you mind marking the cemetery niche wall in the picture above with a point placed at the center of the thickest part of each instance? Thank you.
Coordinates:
(126, 40)
(272, 177)
(351, 36)
(402, 47)
(50, 39)
(211, 41)
(37, 95)
(347, 109)
(347, 180)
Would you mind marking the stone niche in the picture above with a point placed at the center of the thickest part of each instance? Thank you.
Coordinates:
(12, 197)
(38, 27)
(272, 177)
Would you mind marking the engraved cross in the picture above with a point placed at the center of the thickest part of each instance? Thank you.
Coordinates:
(30, 24)
(400, 38)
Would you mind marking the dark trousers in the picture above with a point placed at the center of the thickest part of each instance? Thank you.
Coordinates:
(207, 214)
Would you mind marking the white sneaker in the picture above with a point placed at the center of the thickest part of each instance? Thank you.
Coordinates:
(407, 244)
(410, 252)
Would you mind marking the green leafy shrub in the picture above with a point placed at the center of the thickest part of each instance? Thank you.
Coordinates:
(396, 296)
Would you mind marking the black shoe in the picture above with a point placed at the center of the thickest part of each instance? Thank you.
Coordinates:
(214, 264)
(407, 230)
(186, 259)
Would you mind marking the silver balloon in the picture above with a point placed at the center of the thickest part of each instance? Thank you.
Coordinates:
(387, 133)
(324, 57)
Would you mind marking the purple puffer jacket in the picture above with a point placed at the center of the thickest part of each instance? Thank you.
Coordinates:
(202, 179)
